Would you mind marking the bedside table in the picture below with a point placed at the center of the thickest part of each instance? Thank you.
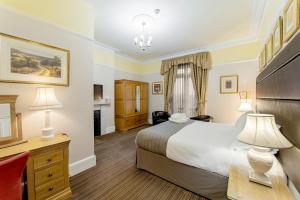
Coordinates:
(204, 118)
(239, 187)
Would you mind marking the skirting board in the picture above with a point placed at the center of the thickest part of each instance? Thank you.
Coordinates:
(82, 165)
(110, 129)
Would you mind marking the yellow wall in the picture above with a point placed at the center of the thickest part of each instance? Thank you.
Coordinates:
(74, 15)
(234, 54)
(271, 15)
(109, 58)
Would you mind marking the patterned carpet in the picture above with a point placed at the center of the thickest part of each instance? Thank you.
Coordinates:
(116, 178)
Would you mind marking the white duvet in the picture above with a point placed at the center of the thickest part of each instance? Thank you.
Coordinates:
(212, 147)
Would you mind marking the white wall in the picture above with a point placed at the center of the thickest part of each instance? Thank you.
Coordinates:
(224, 107)
(75, 118)
(156, 102)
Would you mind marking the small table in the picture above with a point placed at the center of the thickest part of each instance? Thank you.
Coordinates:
(239, 187)
(204, 118)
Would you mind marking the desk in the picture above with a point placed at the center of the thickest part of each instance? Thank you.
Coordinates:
(47, 168)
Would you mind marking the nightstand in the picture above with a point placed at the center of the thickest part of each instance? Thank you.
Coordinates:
(204, 118)
(239, 187)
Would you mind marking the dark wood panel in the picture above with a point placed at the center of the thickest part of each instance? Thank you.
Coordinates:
(284, 84)
(278, 93)
(116, 177)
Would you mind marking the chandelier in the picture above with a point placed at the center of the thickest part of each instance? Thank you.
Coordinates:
(143, 40)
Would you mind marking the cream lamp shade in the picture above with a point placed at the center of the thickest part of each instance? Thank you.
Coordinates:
(261, 130)
(45, 99)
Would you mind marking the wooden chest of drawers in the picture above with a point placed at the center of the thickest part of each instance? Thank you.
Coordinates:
(47, 167)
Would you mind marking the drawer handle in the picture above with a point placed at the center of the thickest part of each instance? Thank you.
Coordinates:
(50, 189)
(50, 175)
(49, 159)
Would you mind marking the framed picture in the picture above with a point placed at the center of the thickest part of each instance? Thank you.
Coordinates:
(229, 84)
(291, 19)
(269, 49)
(157, 88)
(277, 36)
(262, 60)
(25, 61)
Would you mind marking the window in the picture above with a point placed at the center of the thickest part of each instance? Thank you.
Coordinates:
(184, 98)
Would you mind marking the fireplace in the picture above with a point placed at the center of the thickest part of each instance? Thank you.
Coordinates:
(97, 122)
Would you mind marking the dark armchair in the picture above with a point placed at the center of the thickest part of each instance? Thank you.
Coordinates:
(159, 117)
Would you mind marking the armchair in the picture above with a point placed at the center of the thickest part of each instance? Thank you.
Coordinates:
(159, 117)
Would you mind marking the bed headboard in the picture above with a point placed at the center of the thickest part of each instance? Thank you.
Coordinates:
(278, 93)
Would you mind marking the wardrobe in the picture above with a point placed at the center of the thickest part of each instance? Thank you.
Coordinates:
(131, 104)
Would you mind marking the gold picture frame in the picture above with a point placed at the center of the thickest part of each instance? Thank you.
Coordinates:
(262, 60)
(30, 62)
(157, 88)
(278, 36)
(269, 49)
(291, 19)
(229, 84)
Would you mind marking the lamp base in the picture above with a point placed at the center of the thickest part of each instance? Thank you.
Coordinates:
(261, 162)
(260, 178)
(47, 133)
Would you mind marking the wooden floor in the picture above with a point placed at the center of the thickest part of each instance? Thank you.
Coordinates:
(116, 177)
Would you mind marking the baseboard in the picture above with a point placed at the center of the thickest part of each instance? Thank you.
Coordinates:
(110, 129)
(82, 165)
(150, 120)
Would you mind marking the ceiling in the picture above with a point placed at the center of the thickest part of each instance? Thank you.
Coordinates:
(182, 25)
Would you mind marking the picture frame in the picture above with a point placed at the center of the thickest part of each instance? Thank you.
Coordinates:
(278, 36)
(229, 84)
(157, 88)
(31, 62)
(269, 49)
(291, 19)
(262, 60)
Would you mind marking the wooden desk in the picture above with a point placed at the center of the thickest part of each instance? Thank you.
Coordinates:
(47, 168)
(240, 188)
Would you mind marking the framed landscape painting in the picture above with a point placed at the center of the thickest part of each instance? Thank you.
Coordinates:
(157, 87)
(229, 84)
(277, 36)
(25, 61)
(291, 19)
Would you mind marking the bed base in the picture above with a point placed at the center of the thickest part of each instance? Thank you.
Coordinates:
(199, 181)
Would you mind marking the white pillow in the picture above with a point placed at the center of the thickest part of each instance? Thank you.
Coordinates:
(179, 118)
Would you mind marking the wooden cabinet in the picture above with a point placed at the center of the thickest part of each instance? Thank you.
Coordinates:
(47, 167)
(131, 104)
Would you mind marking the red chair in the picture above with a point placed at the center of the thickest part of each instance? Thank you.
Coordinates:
(11, 171)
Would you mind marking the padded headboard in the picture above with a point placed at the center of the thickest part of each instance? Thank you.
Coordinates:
(278, 93)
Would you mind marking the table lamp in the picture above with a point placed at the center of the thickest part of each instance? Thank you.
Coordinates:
(45, 100)
(261, 132)
(245, 106)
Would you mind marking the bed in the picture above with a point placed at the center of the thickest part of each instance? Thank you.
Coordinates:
(185, 154)
(165, 151)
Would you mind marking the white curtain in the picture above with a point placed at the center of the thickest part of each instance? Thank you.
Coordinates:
(184, 97)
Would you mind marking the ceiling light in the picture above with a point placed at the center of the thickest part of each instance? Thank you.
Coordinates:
(143, 22)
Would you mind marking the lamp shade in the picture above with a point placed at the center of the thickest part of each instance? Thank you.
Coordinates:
(245, 106)
(261, 130)
(45, 99)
